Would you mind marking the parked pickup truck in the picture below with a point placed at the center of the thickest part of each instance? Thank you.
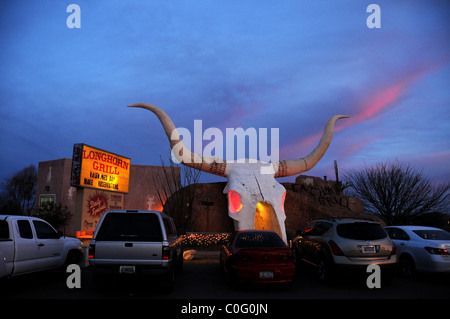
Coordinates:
(136, 243)
(29, 244)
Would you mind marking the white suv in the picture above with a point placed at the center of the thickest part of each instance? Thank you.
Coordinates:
(345, 243)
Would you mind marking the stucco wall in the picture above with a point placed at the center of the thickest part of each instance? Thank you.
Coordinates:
(307, 199)
(54, 178)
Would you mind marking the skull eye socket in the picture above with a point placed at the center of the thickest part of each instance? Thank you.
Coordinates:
(282, 202)
(234, 202)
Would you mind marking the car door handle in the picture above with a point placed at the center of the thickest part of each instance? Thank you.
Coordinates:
(40, 245)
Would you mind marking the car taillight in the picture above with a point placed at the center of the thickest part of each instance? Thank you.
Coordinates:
(437, 251)
(91, 254)
(165, 253)
(287, 257)
(394, 249)
(335, 249)
(243, 257)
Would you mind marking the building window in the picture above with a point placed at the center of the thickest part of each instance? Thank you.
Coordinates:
(47, 199)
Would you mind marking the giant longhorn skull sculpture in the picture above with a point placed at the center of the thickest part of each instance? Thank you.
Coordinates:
(255, 198)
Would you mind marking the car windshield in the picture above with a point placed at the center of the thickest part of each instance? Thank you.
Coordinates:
(361, 231)
(259, 239)
(130, 227)
(433, 234)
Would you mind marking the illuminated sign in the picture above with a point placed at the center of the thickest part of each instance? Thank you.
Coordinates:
(95, 168)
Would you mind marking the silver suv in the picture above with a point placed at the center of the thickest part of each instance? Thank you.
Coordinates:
(135, 242)
(345, 243)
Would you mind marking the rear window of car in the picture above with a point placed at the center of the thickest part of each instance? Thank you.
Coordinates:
(433, 234)
(361, 231)
(259, 239)
(130, 227)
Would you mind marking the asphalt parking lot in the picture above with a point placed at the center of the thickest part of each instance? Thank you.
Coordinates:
(203, 279)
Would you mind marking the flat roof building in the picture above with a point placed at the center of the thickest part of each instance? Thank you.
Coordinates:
(87, 204)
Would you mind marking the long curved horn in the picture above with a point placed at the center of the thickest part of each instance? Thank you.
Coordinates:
(298, 166)
(207, 164)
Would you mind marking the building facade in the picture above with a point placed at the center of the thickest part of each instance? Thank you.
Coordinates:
(308, 199)
(87, 204)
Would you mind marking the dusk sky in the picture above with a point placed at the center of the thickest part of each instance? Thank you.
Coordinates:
(287, 64)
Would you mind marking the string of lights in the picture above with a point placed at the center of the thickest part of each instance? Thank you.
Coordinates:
(202, 240)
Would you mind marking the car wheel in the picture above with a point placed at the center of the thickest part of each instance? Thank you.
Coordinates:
(222, 264)
(324, 270)
(73, 257)
(407, 266)
(180, 263)
(297, 258)
(168, 283)
(229, 276)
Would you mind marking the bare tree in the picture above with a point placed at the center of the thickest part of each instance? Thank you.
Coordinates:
(177, 191)
(397, 193)
(57, 215)
(19, 190)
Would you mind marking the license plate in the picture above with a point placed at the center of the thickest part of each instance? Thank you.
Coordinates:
(266, 274)
(368, 249)
(127, 269)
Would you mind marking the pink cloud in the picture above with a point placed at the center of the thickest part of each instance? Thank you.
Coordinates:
(387, 97)
(375, 105)
(367, 108)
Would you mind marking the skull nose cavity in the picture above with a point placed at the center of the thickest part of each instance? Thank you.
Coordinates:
(266, 218)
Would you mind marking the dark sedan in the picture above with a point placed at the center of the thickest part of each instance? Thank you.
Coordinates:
(257, 256)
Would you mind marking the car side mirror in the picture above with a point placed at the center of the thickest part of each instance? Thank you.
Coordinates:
(59, 234)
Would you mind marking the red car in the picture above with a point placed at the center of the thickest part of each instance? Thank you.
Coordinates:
(258, 256)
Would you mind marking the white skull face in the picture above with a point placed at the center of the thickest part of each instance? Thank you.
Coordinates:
(255, 200)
